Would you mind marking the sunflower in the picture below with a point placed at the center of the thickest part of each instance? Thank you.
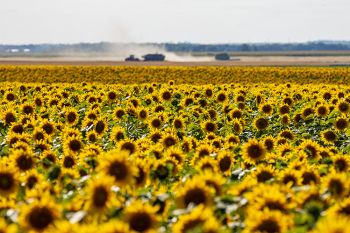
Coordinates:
(267, 109)
(175, 153)
(322, 110)
(269, 143)
(24, 160)
(343, 107)
(7, 228)
(155, 122)
(31, 179)
(311, 149)
(341, 124)
(128, 145)
(253, 151)
(113, 226)
(115, 163)
(290, 177)
(71, 116)
(40, 215)
(194, 191)
(261, 123)
(8, 180)
(332, 224)
(8, 116)
(118, 113)
(209, 126)
(169, 139)
(99, 194)
(224, 162)
(328, 136)
(237, 126)
(141, 217)
(341, 208)
(200, 219)
(264, 173)
(221, 97)
(27, 109)
(341, 163)
(336, 184)
(309, 176)
(178, 123)
(73, 145)
(267, 222)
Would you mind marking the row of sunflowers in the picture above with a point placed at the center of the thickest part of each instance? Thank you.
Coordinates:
(240, 156)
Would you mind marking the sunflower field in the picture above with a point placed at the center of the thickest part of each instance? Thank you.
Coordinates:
(174, 149)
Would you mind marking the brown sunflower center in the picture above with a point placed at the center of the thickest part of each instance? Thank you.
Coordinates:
(118, 170)
(196, 196)
(100, 197)
(268, 226)
(24, 162)
(225, 163)
(6, 181)
(40, 218)
(140, 222)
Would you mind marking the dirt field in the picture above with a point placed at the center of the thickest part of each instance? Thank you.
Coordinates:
(239, 61)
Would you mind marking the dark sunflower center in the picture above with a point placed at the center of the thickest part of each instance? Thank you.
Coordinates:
(31, 181)
(336, 187)
(254, 151)
(68, 162)
(309, 177)
(129, 146)
(100, 197)
(268, 226)
(6, 181)
(140, 222)
(225, 163)
(192, 224)
(75, 145)
(196, 196)
(24, 162)
(118, 170)
(100, 126)
(71, 117)
(162, 172)
(169, 141)
(264, 176)
(40, 218)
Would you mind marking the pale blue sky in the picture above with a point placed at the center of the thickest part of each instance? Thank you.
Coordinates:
(205, 21)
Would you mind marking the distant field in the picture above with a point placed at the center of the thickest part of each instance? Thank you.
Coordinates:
(244, 60)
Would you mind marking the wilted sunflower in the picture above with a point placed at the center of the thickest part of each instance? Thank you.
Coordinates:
(141, 217)
(115, 163)
(253, 151)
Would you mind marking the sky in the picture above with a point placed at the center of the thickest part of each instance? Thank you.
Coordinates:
(197, 21)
